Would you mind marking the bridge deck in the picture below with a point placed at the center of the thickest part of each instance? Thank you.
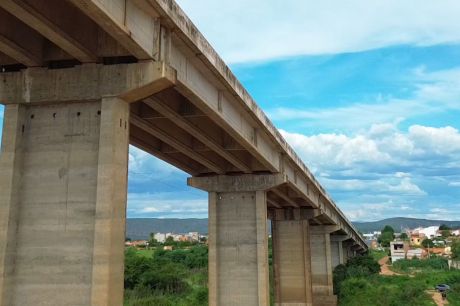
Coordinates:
(201, 119)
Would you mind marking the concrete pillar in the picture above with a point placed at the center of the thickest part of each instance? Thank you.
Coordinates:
(291, 258)
(321, 265)
(337, 250)
(238, 238)
(336, 253)
(63, 203)
(348, 247)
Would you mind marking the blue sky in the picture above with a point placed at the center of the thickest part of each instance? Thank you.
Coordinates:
(368, 95)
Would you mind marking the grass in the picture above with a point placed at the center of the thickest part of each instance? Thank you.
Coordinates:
(146, 268)
(409, 289)
(146, 253)
(377, 255)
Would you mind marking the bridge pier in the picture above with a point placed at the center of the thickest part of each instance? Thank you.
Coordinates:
(321, 265)
(63, 199)
(63, 182)
(337, 250)
(238, 238)
(291, 258)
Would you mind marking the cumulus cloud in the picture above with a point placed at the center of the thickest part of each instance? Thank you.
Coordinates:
(308, 27)
(377, 168)
(167, 205)
(143, 165)
(333, 151)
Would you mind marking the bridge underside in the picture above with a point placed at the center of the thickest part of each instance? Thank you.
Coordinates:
(83, 79)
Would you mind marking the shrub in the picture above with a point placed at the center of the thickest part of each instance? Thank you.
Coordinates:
(434, 263)
(360, 266)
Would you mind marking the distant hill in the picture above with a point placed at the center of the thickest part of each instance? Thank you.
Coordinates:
(402, 223)
(142, 227)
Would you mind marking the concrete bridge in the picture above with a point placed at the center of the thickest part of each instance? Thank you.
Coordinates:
(83, 79)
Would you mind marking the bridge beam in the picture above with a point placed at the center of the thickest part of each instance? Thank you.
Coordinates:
(238, 238)
(321, 263)
(291, 257)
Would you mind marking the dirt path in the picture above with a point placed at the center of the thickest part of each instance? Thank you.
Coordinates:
(437, 298)
(384, 270)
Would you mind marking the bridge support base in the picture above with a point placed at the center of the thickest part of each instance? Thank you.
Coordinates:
(62, 203)
(321, 266)
(238, 238)
(291, 258)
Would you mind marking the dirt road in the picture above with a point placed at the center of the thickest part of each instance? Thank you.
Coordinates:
(384, 270)
(437, 298)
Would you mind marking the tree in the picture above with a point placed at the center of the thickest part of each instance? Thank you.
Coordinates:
(388, 234)
(388, 228)
(152, 241)
(385, 238)
(444, 227)
(404, 236)
(170, 241)
(455, 248)
(427, 243)
(445, 233)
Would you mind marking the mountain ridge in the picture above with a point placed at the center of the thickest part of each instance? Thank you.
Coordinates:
(140, 228)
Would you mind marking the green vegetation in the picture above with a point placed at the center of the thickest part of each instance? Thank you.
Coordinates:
(387, 235)
(179, 278)
(166, 278)
(444, 227)
(358, 283)
(420, 265)
(427, 243)
(455, 248)
(403, 236)
(377, 254)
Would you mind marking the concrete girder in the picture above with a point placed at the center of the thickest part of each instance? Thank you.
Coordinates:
(131, 82)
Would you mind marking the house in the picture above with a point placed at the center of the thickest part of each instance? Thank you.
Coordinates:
(398, 250)
(416, 239)
(418, 253)
(456, 232)
(439, 251)
(429, 232)
(137, 243)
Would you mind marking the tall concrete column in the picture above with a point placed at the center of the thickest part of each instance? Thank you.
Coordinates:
(291, 258)
(238, 238)
(337, 251)
(321, 265)
(63, 202)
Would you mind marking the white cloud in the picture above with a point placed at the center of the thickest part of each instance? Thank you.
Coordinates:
(338, 151)
(143, 166)
(435, 93)
(406, 186)
(164, 205)
(256, 30)
(441, 141)
(384, 185)
(368, 171)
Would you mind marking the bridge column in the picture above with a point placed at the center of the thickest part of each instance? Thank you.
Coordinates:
(337, 250)
(291, 258)
(348, 252)
(321, 265)
(238, 238)
(62, 203)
